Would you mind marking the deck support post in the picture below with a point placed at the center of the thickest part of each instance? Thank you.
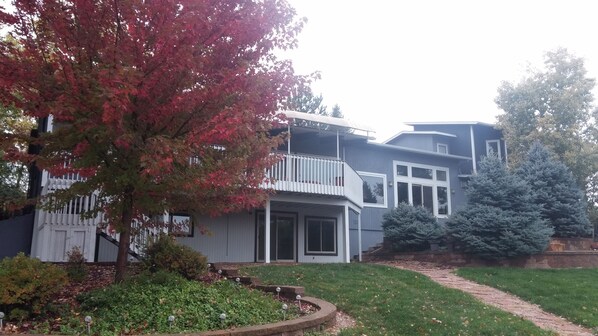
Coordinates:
(347, 247)
(267, 233)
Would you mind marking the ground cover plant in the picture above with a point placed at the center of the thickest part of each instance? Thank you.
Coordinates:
(141, 304)
(144, 303)
(389, 301)
(571, 293)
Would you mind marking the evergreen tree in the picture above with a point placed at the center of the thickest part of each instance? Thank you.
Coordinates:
(554, 189)
(410, 228)
(500, 219)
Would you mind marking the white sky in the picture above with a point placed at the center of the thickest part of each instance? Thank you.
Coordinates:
(387, 62)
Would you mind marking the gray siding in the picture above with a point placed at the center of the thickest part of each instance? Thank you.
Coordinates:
(106, 250)
(228, 238)
(368, 158)
(15, 235)
(417, 141)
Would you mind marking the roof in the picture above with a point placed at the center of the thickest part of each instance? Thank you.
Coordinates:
(341, 122)
(449, 123)
(418, 151)
(419, 133)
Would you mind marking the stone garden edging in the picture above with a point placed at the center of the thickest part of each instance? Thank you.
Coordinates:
(312, 322)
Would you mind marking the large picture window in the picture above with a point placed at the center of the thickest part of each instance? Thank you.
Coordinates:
(320, 236)
(374, 189)
(425, 186)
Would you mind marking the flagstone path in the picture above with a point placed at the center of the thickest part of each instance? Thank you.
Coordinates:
(444, 275)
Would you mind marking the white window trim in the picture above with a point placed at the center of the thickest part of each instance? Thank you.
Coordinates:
(383, 176)
(497, 142)
(438, 145)
(321, 220)
(434, 183)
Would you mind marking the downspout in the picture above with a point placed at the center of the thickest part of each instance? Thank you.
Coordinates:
(475, 169)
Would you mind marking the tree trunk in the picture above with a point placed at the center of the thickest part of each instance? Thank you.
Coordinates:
(124, 240)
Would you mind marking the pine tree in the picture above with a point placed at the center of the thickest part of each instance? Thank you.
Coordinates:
(555, 190)
(410, 228)
(500, 219)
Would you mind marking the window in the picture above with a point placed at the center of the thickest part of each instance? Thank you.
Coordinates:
(374, 189)
(425, 186)
(493, 148)
(442, 148)
(320, 236)
(181, 224)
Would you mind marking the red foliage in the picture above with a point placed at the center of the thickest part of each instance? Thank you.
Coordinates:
(138, 88)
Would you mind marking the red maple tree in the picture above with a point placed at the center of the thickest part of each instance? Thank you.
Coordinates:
(162, 105)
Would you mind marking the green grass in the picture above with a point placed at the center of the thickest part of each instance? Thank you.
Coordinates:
(389, 301)
(571, 293)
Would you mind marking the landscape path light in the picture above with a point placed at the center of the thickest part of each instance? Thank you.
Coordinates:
(88, 323)
(284, 311)
(298, 297)
(1, 320)
(278, 292)
(170, 320)
(238, 280)
(222, 319)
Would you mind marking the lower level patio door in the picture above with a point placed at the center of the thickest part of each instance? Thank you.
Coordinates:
(282, 236)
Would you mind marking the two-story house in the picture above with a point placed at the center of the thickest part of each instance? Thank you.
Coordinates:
(329, 192)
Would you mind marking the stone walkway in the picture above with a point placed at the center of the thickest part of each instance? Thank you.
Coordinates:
(444, 275)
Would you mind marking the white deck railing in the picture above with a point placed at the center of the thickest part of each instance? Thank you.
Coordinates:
(315, 175)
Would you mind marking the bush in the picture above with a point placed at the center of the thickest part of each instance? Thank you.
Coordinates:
(166, 254)
(554, 189)
(410, 228)
(75, 267)
(500, 219)
(27, 285)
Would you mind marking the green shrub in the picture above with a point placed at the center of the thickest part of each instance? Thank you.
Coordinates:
(75, 267)
(409, 228)
(166, 254)
(27, 285)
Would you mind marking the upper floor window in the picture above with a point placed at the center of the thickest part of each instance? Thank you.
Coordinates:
(442, 148)
(374, 189)
(425, 186)
(493, 148)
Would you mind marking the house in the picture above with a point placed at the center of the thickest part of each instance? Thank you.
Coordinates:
(331, 189)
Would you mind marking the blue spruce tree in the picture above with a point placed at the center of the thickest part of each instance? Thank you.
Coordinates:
(500, 219)
(555, 190)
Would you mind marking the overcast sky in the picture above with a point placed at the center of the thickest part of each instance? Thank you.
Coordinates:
(388, 62)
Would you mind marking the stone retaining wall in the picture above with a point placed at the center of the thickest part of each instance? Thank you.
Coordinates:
(567, 259)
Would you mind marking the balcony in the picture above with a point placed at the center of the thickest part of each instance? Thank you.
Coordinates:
(317, 176)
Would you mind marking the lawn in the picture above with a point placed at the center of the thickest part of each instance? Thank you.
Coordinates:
(389, 301)
(571, 293)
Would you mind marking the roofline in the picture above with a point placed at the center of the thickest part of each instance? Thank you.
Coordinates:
(332, 121)
(418, 151)
(419, 133)
(450, 123)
